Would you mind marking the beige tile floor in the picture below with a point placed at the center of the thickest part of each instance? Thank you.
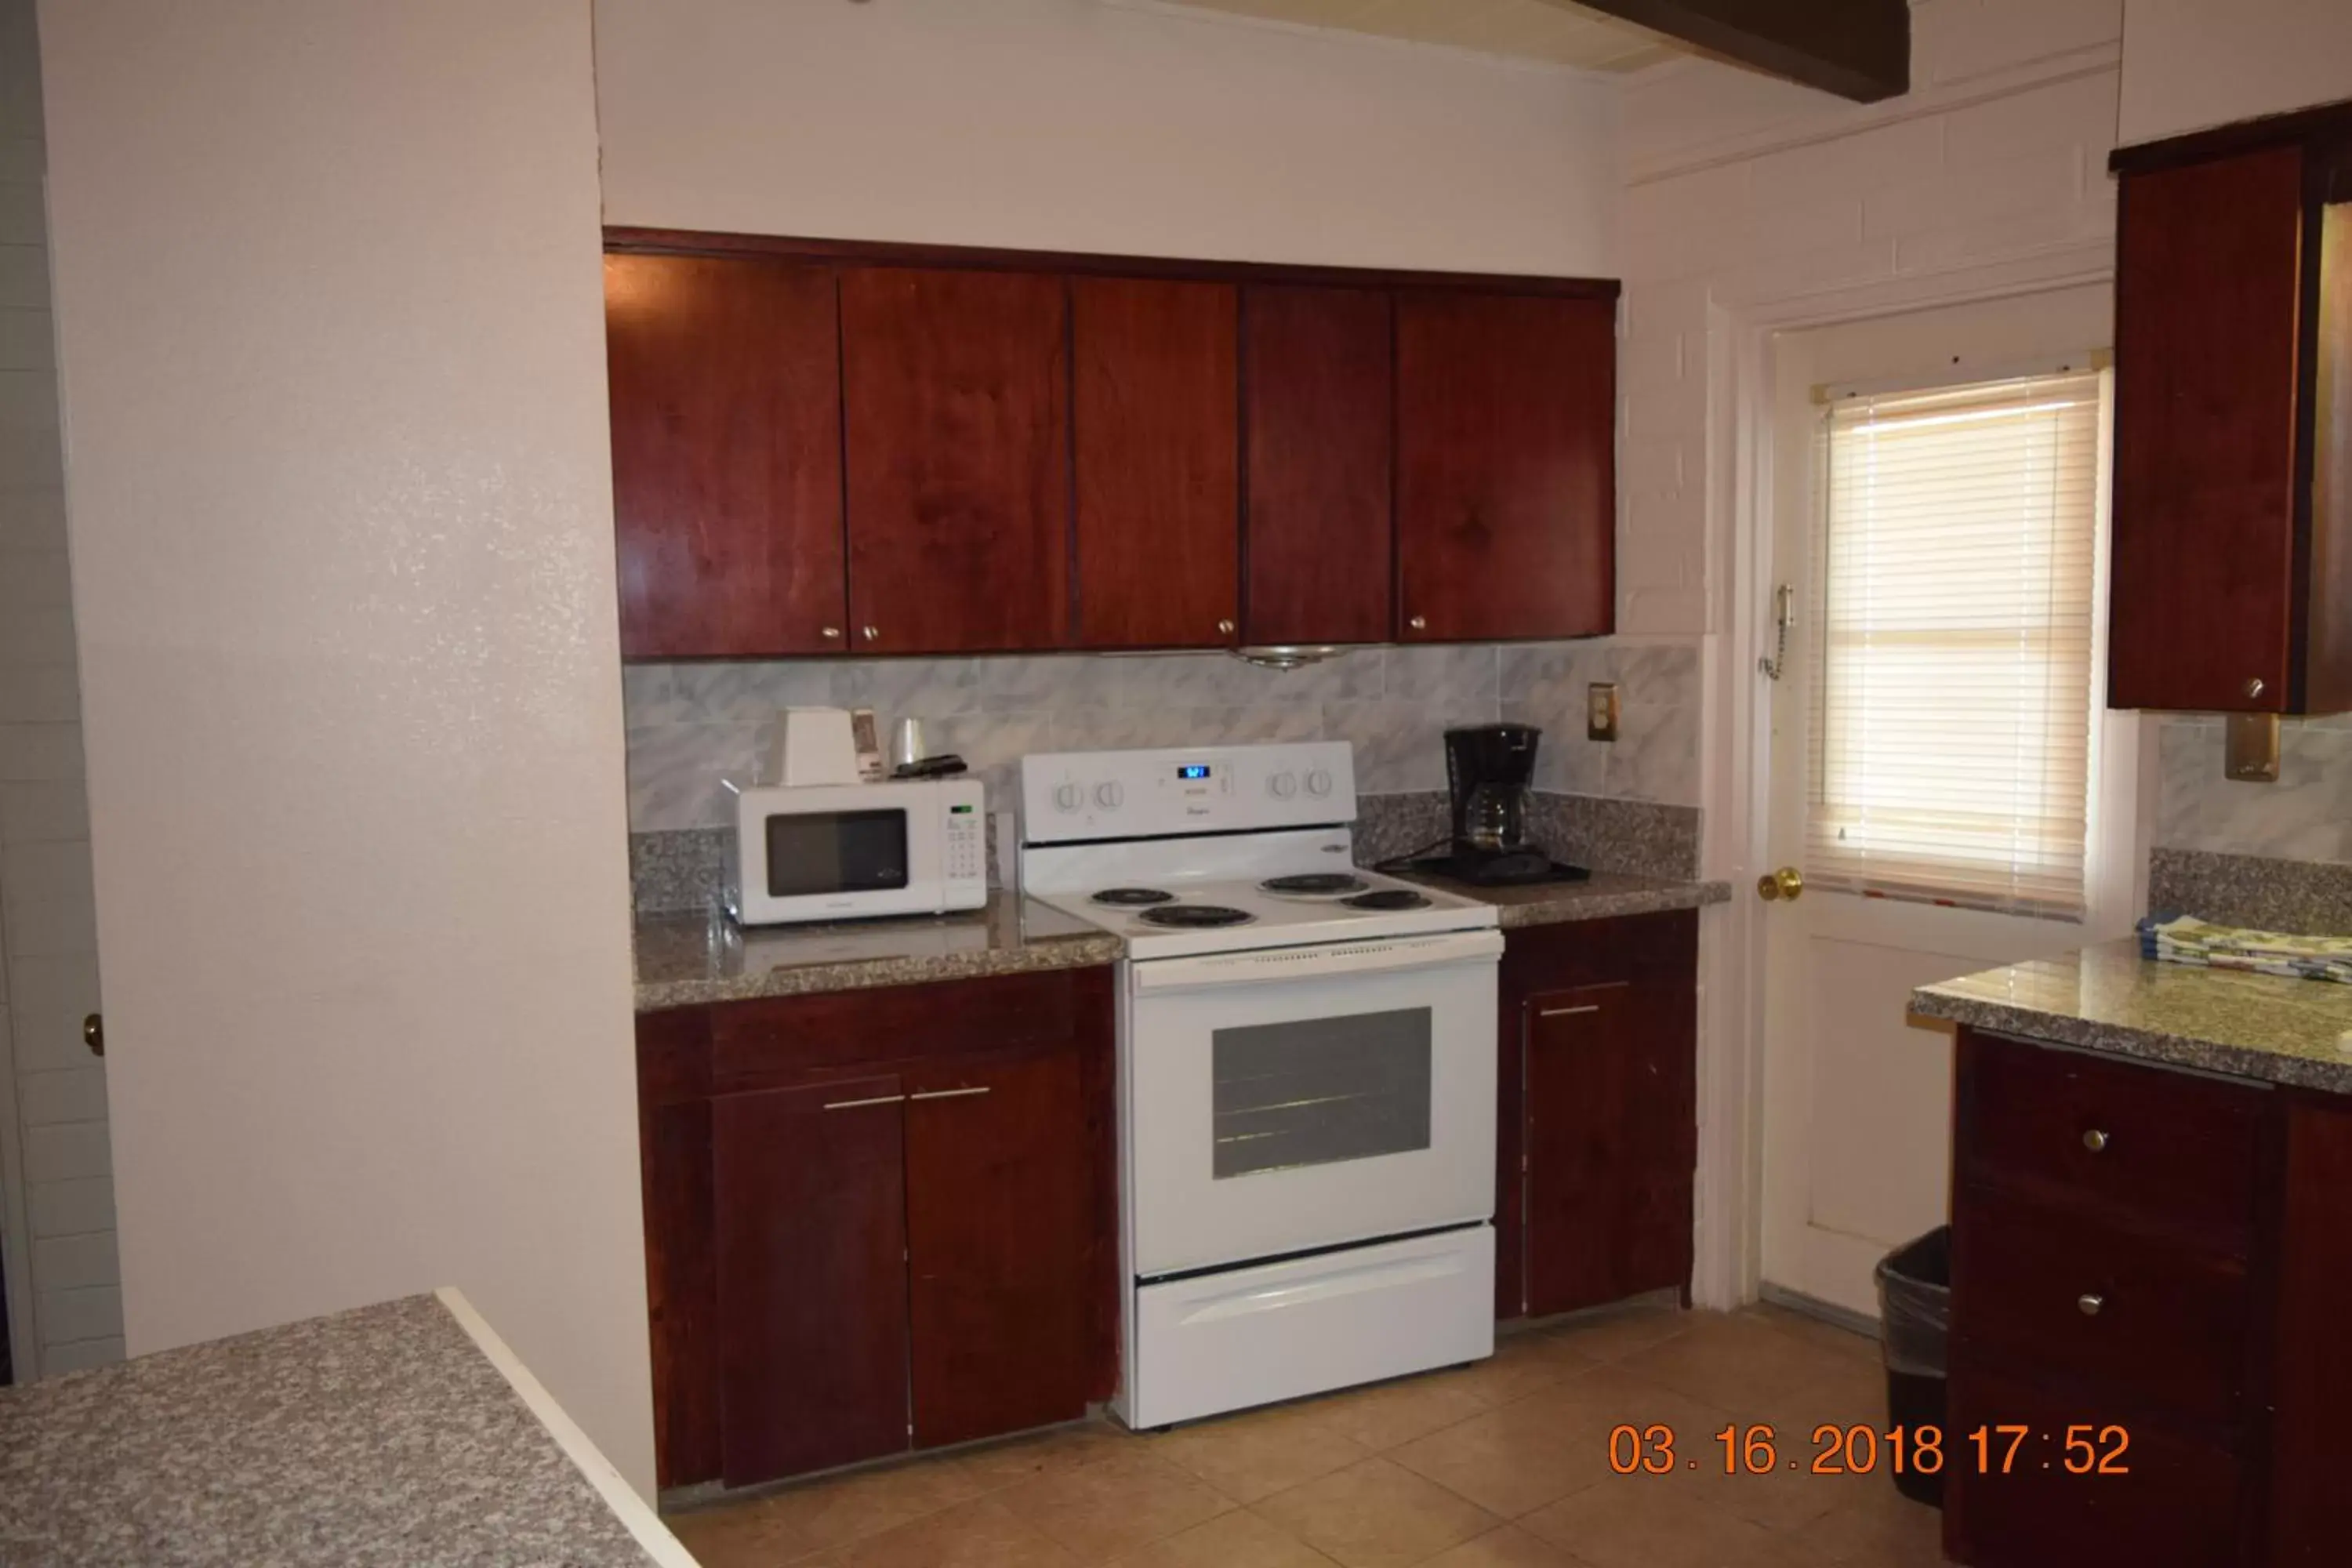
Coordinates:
(1502, 1465)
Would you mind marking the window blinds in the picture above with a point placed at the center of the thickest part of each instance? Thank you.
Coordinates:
(1952, 684)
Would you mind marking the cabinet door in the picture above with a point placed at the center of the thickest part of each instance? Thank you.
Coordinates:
(998, 1185)
(1611, 1141)
(2208, 263)
(726, 397)
(956, 394)
(1506, 466)
(1318, 405)
(808, 1198)
(1157, 438)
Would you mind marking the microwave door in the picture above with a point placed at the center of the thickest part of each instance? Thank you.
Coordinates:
(829, 854)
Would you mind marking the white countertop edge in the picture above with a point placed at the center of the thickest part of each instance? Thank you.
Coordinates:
(641, 1522)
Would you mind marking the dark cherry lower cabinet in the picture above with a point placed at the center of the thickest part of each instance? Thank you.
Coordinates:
(2151, 1277)
(1598, 1136)
(877, 1220)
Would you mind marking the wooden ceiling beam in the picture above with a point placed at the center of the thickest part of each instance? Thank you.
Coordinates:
(1859, 49)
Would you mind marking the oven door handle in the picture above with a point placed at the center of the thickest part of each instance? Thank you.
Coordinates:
(1279, 965)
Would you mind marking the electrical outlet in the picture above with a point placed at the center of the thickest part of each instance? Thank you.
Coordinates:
(1600, 711)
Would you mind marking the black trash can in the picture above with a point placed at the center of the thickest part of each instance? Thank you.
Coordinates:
(1914, 1310)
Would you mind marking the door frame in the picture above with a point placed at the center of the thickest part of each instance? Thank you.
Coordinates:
(1736, 748)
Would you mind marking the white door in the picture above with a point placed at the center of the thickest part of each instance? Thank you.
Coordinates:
(1282, 1099)
(1924, 690)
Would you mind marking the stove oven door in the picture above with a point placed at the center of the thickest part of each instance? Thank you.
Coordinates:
(1284, 1100)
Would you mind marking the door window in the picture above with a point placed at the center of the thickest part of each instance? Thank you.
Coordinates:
(1320, 1090)
(1953, 695)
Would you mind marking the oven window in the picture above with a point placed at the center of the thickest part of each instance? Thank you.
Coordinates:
(1320, 1090)
(820, 852)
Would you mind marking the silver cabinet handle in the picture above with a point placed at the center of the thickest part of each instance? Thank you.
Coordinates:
(830, 634)
(949, 1093)
(2254, 687)
(1565, 1012)
(1419, 623)
(1225, 628)
(2095, 1141)
(854, 1104)
(2089, 1303)
(870, 633)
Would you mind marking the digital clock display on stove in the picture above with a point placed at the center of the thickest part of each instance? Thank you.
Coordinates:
(1191, 770)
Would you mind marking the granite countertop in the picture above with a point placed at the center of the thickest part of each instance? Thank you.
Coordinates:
(1607, 895)
(2108, 998)
(385, 1436)
(687, 960)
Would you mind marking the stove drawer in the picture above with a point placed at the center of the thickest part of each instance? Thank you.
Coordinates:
(1280, 1331)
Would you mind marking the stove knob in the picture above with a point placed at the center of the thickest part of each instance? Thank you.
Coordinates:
(1281, 786)
(1108, 795)
(1068, 796)
(1319, 782)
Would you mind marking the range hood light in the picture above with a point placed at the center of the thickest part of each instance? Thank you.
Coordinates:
(1287, 655)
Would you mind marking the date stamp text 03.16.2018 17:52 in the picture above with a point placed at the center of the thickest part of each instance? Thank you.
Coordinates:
(2087, 1449)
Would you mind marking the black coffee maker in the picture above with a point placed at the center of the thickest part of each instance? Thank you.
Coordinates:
(1488, 769)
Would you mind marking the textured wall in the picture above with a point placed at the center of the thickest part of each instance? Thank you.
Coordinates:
(690, 724)
(55, 1173)
(1076, 125)
(330, 327)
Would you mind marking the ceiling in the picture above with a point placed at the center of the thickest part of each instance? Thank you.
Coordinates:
(1549, 30)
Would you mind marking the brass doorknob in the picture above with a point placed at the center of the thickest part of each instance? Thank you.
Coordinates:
(1788, 882)
(93, 1035)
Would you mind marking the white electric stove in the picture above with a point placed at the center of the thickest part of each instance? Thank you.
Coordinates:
(1306, 1075)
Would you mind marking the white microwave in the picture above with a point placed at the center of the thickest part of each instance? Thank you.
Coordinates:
(834, 852)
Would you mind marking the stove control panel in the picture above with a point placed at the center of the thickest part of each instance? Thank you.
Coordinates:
(1068, 796)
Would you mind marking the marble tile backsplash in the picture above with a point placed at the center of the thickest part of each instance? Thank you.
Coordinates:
(2305, 815)
(692, 724)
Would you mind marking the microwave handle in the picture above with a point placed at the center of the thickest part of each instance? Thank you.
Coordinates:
(1272, 966)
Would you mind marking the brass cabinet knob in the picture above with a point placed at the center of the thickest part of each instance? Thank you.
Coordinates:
(2089, 1303)
(2095, 1141)
(1788, 882)
(870, 633)
(93, 1035)
(2254, 687)
(1419, 623)
(830, 634)
(1225, 628)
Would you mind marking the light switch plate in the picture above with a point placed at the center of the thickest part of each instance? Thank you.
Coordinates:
(2251, 748)
(1600, 711)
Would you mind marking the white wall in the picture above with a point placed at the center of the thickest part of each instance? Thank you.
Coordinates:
(1075, 124)
(2189, 64)
(57, 1217)
(1751, 200)
(331, 337)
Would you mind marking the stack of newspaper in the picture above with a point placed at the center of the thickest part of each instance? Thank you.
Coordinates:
(2181, 939)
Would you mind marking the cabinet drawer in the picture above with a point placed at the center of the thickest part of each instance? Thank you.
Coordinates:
(2166, 1150)
(754, 1044)
(2177, 1503)
(2157, 1324)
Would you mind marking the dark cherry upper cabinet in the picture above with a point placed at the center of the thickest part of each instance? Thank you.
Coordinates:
(1506, 480)
(726, 410)
(1156, 441)
(956, 398)
(809, 1195)
(2233, 550)
(1317, 407)
(1597, 1131)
